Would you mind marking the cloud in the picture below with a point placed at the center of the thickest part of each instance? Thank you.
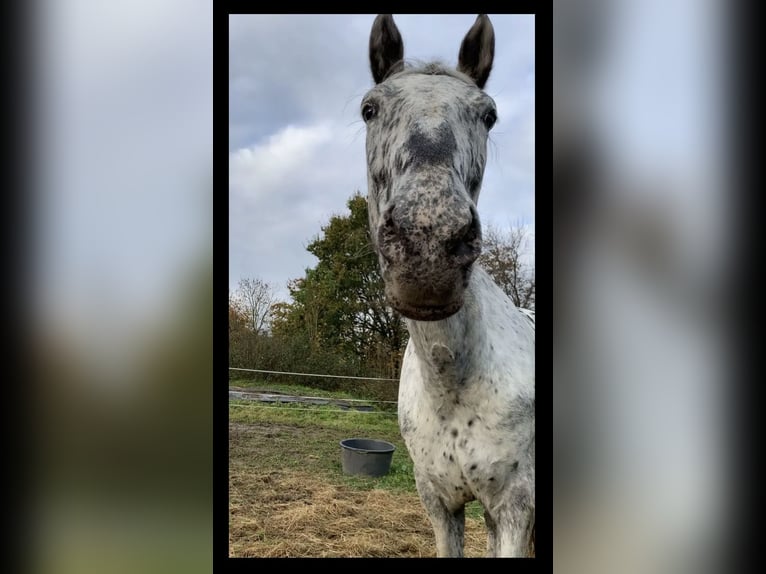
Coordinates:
(125, 134)
(283, 190)
(281, 155)
(296, 140)
(295, 69)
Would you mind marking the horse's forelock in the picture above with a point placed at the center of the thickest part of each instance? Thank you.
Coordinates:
(434, 68)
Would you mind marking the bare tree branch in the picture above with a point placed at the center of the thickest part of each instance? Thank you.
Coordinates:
(503, 258)
(255, 298)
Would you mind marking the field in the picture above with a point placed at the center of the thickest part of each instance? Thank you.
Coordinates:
(288, 496)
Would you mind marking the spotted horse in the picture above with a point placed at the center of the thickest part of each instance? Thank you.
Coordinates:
(467, 389)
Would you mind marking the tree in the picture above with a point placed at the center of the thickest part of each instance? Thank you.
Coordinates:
(503, 258)
(340, 303)
(253, 299)
(237, 317)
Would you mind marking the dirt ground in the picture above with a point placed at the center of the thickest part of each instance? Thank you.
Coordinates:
(286, 500)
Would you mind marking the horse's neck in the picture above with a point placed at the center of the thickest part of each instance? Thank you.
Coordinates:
(449, 348)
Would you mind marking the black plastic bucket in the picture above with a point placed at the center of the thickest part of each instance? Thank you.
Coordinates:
(366, 456)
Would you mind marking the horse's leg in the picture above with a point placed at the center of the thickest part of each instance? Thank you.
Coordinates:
(514, 525)
(491, 534)
(449, 527)
(513, 538)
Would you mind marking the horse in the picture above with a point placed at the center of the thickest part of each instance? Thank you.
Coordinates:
(467, 388)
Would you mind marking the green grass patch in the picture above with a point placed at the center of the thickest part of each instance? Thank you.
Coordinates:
(307, 437)
(327, 416)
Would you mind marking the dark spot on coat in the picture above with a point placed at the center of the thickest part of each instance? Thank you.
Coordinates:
(473, 467)
(470, 422)
(454, 432)
(514, 466)
(432, 149)
(491, 478)
(451, 458)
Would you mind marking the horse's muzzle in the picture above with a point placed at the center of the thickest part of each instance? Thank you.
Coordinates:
(428, 238)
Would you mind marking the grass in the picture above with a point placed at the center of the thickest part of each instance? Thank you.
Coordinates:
(289, 496)
(290, 389)
(325, 416)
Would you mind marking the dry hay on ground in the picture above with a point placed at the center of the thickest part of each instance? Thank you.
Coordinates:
(294, 514)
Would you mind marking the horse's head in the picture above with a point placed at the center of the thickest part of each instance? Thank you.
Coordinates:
(427, 134)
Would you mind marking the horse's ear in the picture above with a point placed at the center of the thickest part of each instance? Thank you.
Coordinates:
(477, 51)
(386, 48)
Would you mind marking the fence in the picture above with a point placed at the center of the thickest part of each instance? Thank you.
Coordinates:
(283, 400)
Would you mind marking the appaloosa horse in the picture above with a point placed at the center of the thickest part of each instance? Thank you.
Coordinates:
(467, 390)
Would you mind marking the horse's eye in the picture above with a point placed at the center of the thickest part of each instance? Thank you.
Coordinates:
(489, 119)
(369, 111)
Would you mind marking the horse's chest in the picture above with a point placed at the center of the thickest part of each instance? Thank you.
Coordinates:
(462, 453)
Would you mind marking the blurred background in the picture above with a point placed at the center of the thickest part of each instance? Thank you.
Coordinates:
(120, 286)
(643, 225)
(120, 290)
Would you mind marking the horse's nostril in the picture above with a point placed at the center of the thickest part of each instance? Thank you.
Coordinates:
(463, 250)
(388, 235)
(396, 222)
(465, 245)
(389, 226)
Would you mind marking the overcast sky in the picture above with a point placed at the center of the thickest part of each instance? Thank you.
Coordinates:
(296, 140)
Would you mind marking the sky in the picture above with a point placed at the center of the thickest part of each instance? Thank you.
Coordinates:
(296, 140)
(123, 169)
